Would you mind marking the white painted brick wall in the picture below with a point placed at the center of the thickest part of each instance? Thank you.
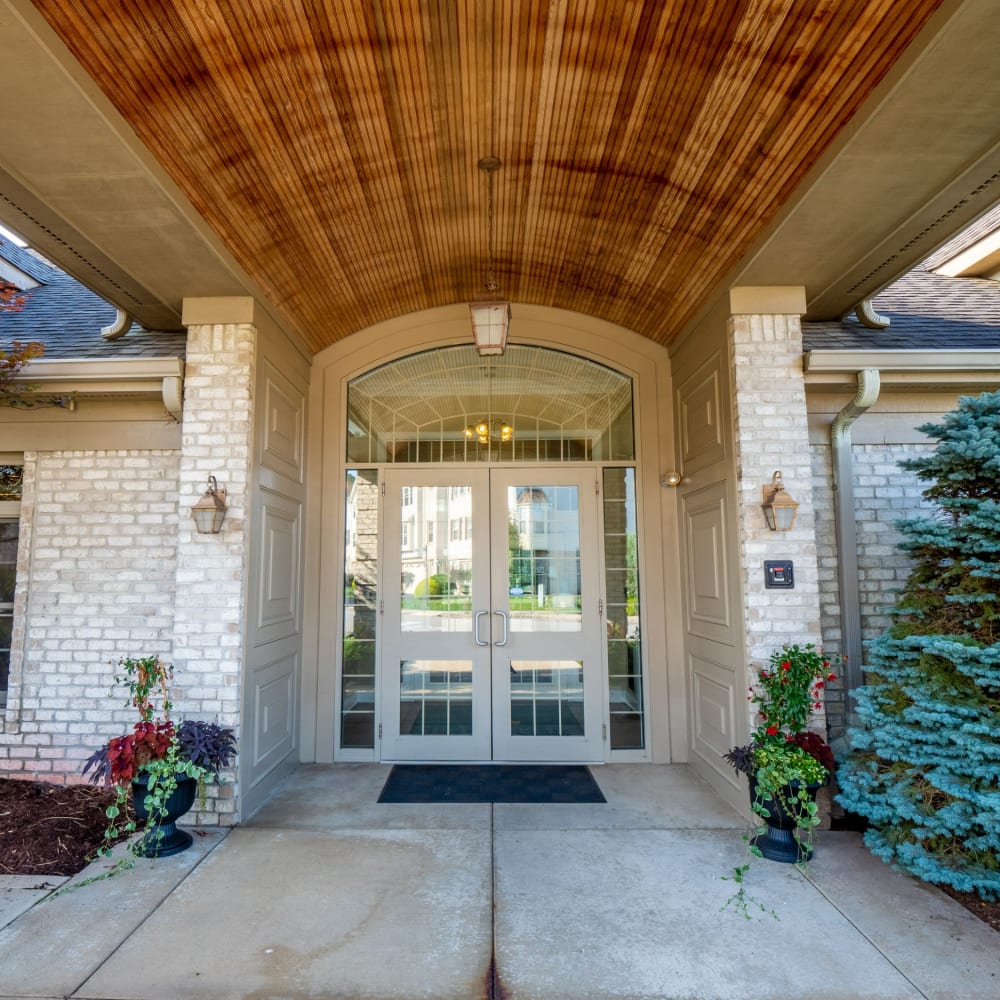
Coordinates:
(883, 494)
(212, 569)
(111, 566)
(771, 433)
(96, 579)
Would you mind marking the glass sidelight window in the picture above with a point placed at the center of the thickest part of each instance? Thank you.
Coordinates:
(8, 572)
(357, 691)
(626, 706)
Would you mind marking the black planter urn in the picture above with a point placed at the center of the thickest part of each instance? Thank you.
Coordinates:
(778, 842)
(164, 839)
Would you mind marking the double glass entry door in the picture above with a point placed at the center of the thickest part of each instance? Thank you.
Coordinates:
(491, 638)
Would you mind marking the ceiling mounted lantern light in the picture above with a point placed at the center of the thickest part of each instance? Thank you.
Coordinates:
(490, 315)
(485, 431)
(210, 510)
(779, 507)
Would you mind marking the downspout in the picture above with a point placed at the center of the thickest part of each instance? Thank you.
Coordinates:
(172, 390)
(121, 325)
(847, 536)
(867, 316)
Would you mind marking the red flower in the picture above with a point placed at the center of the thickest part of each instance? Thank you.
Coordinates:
(831, 677)
(817, 705)
(786, 665)
(772, 730)
(819, 685)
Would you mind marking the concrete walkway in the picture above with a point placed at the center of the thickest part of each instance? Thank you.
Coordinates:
(327, 894)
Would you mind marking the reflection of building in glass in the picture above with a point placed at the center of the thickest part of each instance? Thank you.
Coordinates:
(360, 607)
(545, 554)
(436, 540)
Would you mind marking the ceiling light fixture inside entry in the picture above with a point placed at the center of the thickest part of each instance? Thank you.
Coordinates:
(490, 430)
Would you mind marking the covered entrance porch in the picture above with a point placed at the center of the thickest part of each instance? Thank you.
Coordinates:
(327, 893)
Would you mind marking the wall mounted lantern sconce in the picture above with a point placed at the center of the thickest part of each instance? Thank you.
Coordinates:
(779, 507)
(210, 510)
(490, 316)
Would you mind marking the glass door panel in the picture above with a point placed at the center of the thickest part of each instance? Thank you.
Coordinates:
(546, 698)
(435, 698)
(436, 685)
(543, 558)
(492, 637)
(547, 689)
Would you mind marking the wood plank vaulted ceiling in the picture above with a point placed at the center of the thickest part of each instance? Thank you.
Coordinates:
(333, 146)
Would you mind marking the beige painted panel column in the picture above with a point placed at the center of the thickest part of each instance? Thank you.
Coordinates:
(740, 416)
(240, 593)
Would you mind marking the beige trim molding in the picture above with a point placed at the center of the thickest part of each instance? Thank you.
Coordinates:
(767, 300)
(221, 309)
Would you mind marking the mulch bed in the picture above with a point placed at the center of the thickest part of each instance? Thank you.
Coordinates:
(989, 913)
(50, 829)
(57, 829)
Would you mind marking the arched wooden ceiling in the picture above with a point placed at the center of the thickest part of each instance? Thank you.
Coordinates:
(332, 145)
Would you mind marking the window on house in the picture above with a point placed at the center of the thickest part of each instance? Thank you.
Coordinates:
(8, 569)
(531, 404)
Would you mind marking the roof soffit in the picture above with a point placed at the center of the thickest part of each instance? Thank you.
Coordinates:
(327, 164)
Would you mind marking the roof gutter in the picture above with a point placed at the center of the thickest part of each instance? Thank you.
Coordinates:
(869, 384)
(110, 378)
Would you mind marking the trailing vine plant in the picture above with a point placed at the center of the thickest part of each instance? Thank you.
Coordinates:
(156, 753)
(784, 761)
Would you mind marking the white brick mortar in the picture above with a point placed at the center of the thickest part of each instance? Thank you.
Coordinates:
(95, 582)
(882, 566)
(212, 569)
(771, 434)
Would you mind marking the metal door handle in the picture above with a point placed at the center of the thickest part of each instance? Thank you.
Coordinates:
(503, 615)
(477, 616)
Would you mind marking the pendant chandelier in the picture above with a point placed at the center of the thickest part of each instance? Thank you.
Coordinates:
(485, 431)
(491, 315)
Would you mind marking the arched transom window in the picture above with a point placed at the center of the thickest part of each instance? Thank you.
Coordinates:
(530, 404)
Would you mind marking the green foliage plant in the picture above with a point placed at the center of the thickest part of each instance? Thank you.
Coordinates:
(23, 395)
(785, 761)
(925, 768)
(432, 586)
(156, 753)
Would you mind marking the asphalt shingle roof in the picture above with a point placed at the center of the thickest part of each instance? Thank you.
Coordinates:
(928, 312)
(67, 317)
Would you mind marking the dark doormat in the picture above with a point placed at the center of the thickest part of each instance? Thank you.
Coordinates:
(490, 783)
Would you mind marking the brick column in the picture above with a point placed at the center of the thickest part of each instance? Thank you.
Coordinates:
(771, 433)
(209, 631)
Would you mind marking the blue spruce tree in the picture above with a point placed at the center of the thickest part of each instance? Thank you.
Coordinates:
(925, 769)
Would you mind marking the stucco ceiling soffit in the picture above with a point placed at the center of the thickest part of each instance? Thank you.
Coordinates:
(77, 183)
(918, 164)
(332, 148)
